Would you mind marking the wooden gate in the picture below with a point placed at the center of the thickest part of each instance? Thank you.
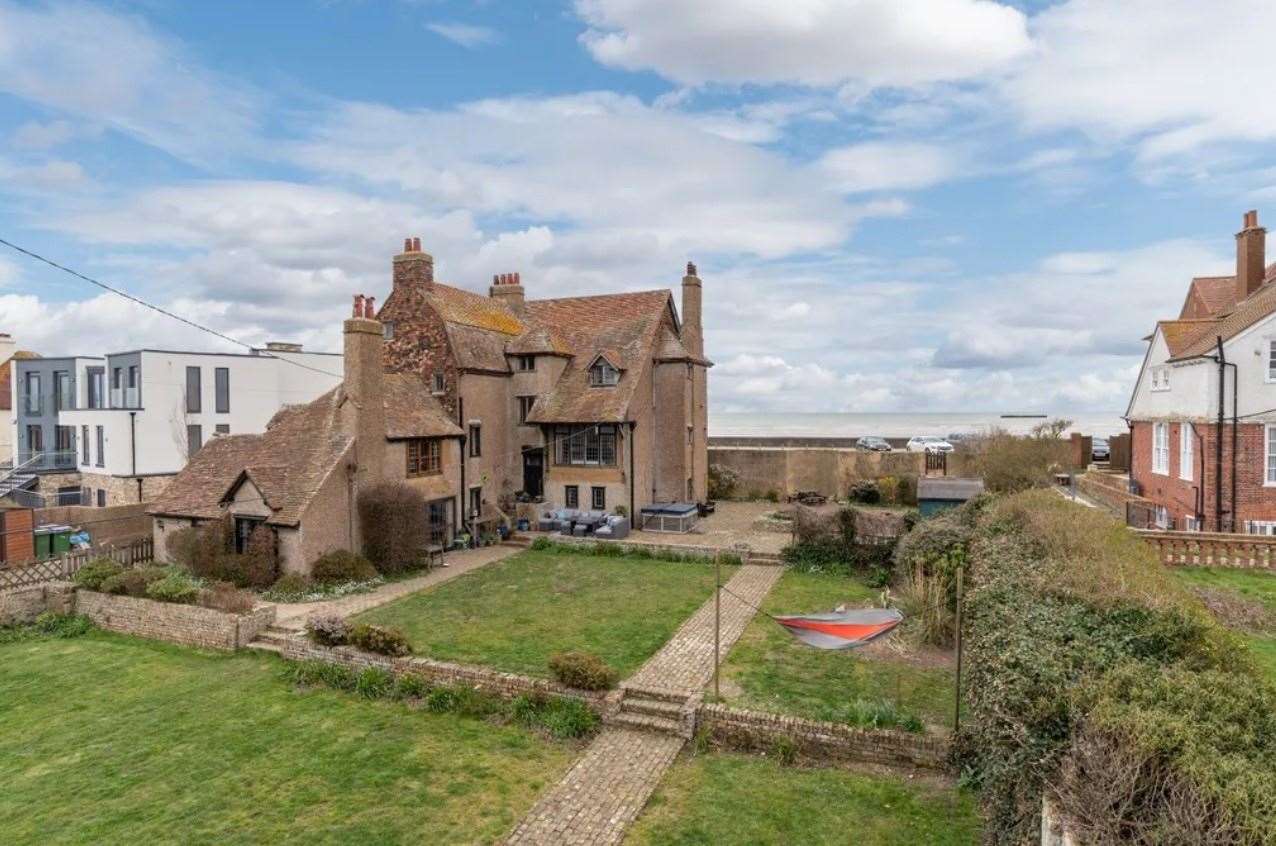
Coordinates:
(936, 463)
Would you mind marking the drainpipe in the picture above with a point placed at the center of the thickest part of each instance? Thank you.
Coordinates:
(1199, 498)
(1236, 386)
(1218, 439)
(132, 436)
(633, 514)
(465, 494)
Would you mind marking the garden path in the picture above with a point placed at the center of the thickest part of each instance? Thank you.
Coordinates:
(293, 615)
(607, 788)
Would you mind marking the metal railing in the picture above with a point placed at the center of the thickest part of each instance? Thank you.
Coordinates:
(43, 461)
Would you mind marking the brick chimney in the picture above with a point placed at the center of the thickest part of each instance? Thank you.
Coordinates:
(413, 268)
(692, 327)
(363, 414)
(1251, 245)
(508, 288)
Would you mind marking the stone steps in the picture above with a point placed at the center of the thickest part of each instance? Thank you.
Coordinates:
(646, 691)
(643, 722)
(272, 639)
(653, 708)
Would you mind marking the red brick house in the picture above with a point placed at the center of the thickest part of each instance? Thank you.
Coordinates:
(1203, 413)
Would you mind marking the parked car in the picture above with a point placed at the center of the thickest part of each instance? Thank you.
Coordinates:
(928, 443)
(1099, 450)
(873, 444)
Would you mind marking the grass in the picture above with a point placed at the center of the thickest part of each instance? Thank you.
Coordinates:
(514, 614)
(733, 799)
(771, 670)
(1257, 585)
(110, 739)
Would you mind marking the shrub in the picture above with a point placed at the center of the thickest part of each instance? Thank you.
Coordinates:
(772, 495)
(290, 587)
(223, 596)
(408, 686)
(582, 670)
(542, 544)
(379, 639)
(722, 482)
(341, 565)
(62, 625)
(328, 630)
(92, 574)
(440, 700)
(784, 750)
(176, 587)
(561, 718)
(1010, 463)
(200, 549)
(126, 583)
(392, 516)
(374, 683)
(880, 714)
(259, 563)
(315, 673)
(866, 492)
(888, 488)
(825, 542)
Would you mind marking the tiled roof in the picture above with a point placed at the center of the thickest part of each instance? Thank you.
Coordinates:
(456, 305)
(1208, 296)
(478, 349)
(1179, 334)
(1247, 312)
(411, 411)
(289, 461)
(539, 339)
(621, 326)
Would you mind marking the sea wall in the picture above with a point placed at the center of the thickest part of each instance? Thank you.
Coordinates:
(831, 471)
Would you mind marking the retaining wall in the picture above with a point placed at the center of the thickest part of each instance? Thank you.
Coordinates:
(832, 472)
(759, 731)
(23, 605)
(190, 625)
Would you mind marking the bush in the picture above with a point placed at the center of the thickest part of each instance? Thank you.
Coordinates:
(772, 495)
(125, 583)
(92, 574)
(259, 563)
(374, 683)
(341, 565)
(888, 488)
(329, 630)
(395, 532)
(722, 482)
(315, 673)
(290, 586)
(48, 625)
(825, 542)
(200, 549)
(410, 687)
(561, 718)
(866, 492)
(379, 639)
(1010, 463)
(176, 587)
(223, 596)
(582, 670)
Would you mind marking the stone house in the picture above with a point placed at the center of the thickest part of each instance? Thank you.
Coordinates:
(302, 476)
(591, 402)
(1202, 415)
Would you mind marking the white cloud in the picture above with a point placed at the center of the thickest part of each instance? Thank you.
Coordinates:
(466, 35)
(813, 42)
(889, 166)
(1172, 74)
(114, 69)
(50, 175)
(34, 135)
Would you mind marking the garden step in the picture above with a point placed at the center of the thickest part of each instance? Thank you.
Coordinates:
(663, 694)
(266, 646)
(642, 722)
(652, 708)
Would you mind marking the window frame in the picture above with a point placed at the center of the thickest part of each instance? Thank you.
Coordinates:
(194, 389)
(476, 501)
(221, 390)
(571, 496)
(438, 384)
(86, 456)
(423, 457)
(63, 439)
(387, 330)
(194, 434)
(62, 384)
(101, 497)
(475, 440)
(34, 400)
(597, 498)
(221, 429)
(101, 446)
(1161, 449)
(1270, 376)
(601, 368)
(525, 404)
(95, 388)
(1187, 450)
(1269, 456)
(573, 450)
(526, 363)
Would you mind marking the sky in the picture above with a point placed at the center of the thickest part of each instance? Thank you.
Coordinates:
(895, 205)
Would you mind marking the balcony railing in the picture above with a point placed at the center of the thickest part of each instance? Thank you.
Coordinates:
(125, 398)
(45, 461)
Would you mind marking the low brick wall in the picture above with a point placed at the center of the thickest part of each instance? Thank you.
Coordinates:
(190, 625)
(22, 605)
(758, 731)
(505, 685)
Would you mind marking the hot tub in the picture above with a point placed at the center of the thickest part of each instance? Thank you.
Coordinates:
(670, 517)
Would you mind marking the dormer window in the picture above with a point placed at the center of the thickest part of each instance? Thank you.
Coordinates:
(439, 384)
(527, 362)
(602, 373)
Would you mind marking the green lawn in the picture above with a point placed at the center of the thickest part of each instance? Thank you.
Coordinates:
(769, 669)
(516, 613)
(1258, 585)
(109, 739)
(726, 800)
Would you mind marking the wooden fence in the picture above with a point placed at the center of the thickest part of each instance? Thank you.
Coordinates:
(1212, 549)
(66, 565)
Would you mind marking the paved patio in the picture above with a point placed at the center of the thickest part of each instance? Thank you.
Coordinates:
(293, 615)
(731, 523)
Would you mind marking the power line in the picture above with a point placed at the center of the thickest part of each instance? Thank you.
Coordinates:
(144, 304)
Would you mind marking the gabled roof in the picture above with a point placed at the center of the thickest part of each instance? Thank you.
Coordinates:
(1180, 334)
(458, 306)
(1245, 314)
(1212, 296)
(288, 462)
(539, 340)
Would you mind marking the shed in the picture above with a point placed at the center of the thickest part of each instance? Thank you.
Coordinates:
(936, 495)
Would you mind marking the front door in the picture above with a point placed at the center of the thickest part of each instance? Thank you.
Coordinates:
(534, 472)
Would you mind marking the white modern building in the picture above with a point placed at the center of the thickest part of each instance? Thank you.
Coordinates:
(132, 419)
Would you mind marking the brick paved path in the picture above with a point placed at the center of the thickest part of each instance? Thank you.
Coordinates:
(686, 661)
(608, 787)
(294, 615)
(602, 793)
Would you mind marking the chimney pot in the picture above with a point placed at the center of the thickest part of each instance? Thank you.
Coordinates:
(407, 245)
(369, 308)
(691, 269)
(416, 245)
(517, 281)
(358, 306)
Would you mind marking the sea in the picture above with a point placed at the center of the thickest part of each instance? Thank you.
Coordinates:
(902, 425)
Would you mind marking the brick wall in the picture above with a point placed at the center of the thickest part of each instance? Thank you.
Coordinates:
(1110, 491)
(190, 625)
(758, 731)
(1254, 501)
(506, 685)
(22, 605)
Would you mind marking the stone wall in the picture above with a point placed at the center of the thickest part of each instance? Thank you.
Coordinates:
(190, 625)
(125, 490)
(1110, 491)
(832, 472)
(759, 731)
(505, 685)
(22, 605)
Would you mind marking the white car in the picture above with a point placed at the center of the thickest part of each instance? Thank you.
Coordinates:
(928, 443)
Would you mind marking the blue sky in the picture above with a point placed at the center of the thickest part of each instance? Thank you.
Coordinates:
(894, 204)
